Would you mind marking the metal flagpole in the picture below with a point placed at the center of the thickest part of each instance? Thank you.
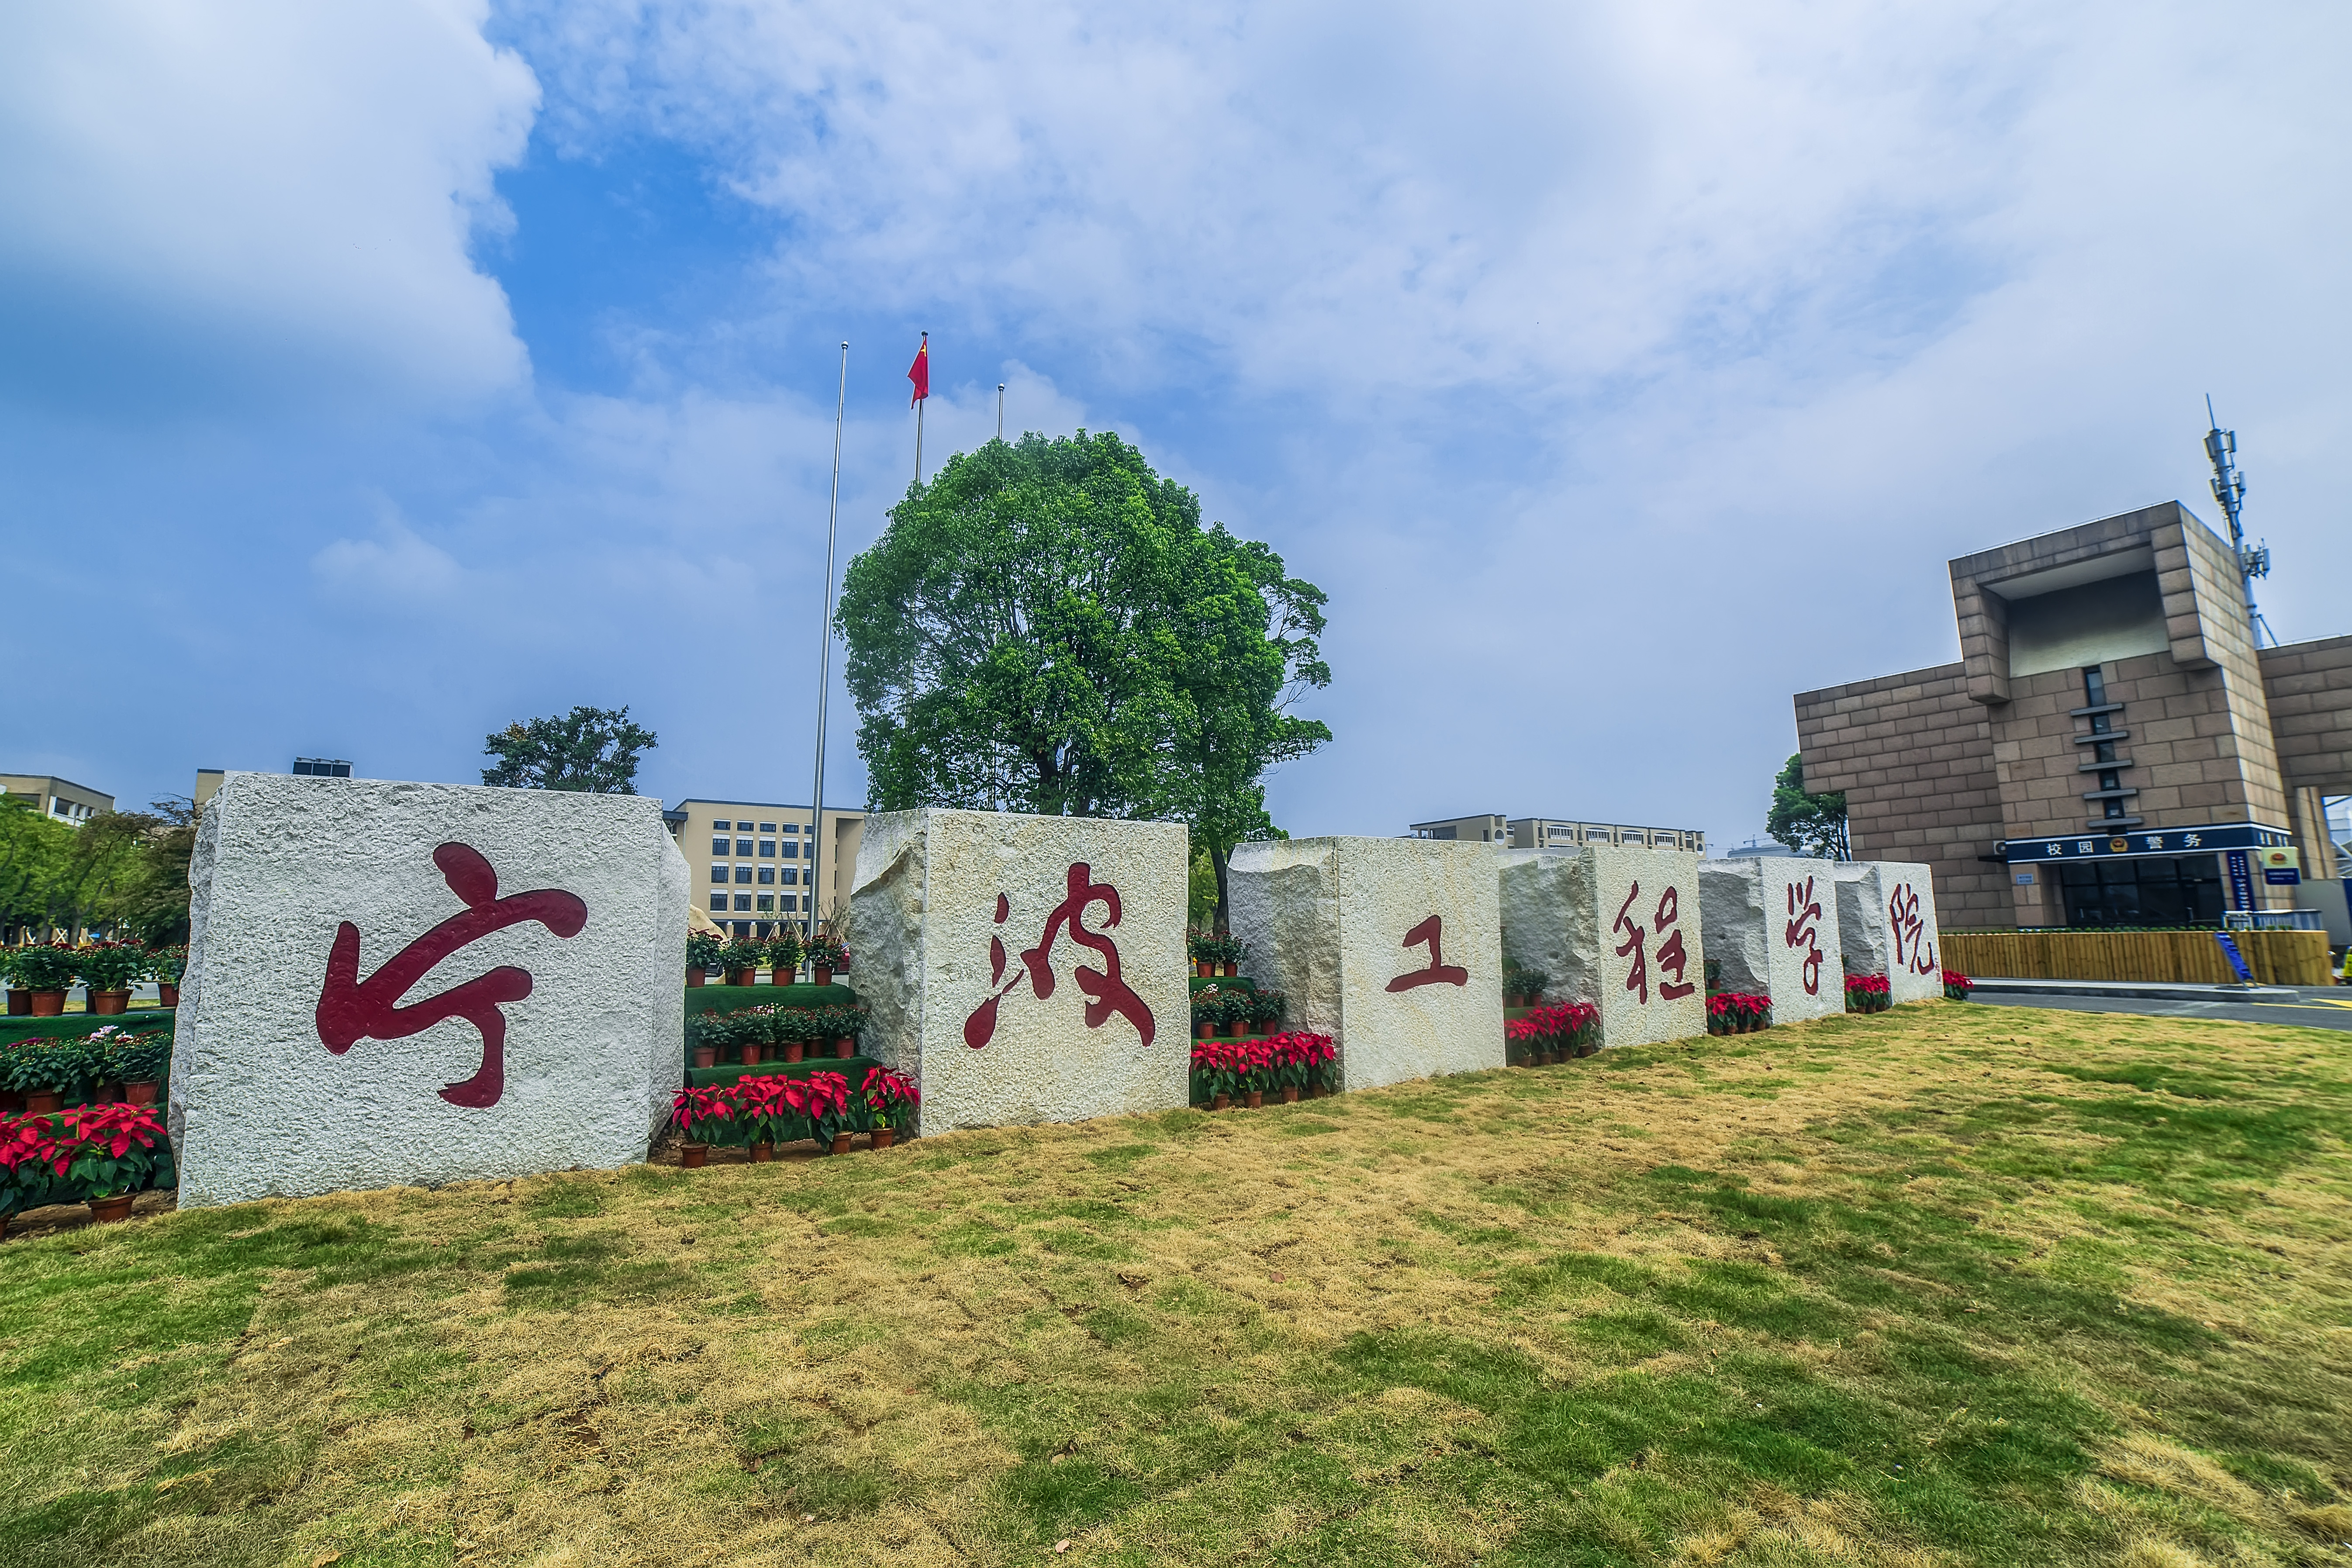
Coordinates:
(1000, 411)
(824, 647)
(926, 352)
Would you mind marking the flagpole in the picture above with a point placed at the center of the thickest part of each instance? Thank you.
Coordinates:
(824, 648)
(1000, 411)
(922, 352)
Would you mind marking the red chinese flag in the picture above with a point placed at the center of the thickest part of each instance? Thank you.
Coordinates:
(919, 373)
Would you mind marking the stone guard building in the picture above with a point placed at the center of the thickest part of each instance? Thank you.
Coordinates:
(2110, 735)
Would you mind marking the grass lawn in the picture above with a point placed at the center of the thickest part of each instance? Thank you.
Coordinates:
(1957, 1284)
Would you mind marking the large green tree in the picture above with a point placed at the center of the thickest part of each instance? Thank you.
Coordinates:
(1812, 825)
(34, 849)
(592, 751)
(1046, 627)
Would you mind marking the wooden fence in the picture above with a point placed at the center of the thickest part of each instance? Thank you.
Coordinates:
(2276, 957)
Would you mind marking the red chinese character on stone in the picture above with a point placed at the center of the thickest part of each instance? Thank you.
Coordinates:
(1803, 931)
(1107, 993)
(1672, 956)
(352, 1009)
(1439, 973)
(1906, 926)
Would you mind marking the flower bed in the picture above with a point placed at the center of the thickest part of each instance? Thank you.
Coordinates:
(1737, 1012)
(1230, 1072)
(763, 1112)
(1553, 1033)
(100, 1154)
(1867, 994)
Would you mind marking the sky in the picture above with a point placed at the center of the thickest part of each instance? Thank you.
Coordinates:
(374, 375)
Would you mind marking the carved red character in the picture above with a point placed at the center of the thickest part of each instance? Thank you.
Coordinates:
(352, 1009)
(1431, 931)
(1905, 926)
(1107, 993)
(1803, 931)
(1672, 956)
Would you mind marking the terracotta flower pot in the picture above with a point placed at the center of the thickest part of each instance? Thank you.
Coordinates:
(42, 1101)
(693, 1156)
(705, 1055)
(110, 1211)
(742, 976)
(841, 1143)
(1258, 1100)
(1221, 1103)
(107, 1003)
(844, 1048)
(794, 1051)
(48, 1004)
(167, 995)
(823, 975)
(694, 977)
(19, 1002)
(1203, 1030)
(751, 1055)
(1232, 970)
(1289, 1094)
(140, 1093)
(885, 1136)
(762, 1154)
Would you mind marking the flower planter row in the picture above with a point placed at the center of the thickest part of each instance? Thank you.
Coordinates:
(1554, 1033)
(782, 954)
(39, 1076)
(1737, 1012)
(1228, 1071)
(1234, 1005)
(41, 973)
(761, 1112)
(1214, 955)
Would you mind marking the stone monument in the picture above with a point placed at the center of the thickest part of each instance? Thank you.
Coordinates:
(1771, 927)
(1886, 922)
(391, 984)
(1616, 926)
(1391, 946)
(1025, 969)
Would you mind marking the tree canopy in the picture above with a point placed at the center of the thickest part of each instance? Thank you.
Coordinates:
(1046, 627)
(590, 751)
(126, 871)
(1812, 825)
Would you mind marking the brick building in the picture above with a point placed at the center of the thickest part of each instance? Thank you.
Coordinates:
(2109, 749)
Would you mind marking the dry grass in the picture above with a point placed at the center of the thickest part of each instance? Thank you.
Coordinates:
(1953, 1284)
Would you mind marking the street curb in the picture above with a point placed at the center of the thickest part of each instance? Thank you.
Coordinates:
(2143, 991)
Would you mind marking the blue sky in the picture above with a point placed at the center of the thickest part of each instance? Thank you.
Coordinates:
(380, 374)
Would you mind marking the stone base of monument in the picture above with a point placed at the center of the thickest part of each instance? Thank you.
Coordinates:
(1391, 946)
(1887, 924)
(1025, 969)
(1616, 927)
(1772, 929)
(406, 983)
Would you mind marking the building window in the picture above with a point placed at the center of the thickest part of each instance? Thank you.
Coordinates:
(768, 876)
(2157, 890)
(768, 848)
(718, 873)
(2095, 686)
(744, 903)
(2114, 807)
(718, 846)
(767, 827)
(792, 876)
(767, 904)
(718, 826)
(742, 846)
(791, 827)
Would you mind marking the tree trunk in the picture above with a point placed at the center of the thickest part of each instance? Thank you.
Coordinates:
(1224, 923)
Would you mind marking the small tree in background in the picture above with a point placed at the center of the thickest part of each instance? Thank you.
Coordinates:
(1812, 825)
(590, 751)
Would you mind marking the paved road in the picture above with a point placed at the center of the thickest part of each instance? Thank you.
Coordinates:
(2318, 1007)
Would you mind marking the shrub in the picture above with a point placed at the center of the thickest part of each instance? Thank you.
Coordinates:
(1266, 1005)
(127, 1055)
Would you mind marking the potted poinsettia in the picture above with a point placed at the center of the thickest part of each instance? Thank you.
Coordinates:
(828, 1109)
(167, 964)
(47, 971)
(1265, 1007)
(703, 952)
(30, 1175)
(888, 1098)
(1867, 994)
(1956, 985)
(740, 960)
(109, 968)
(108, 1154)
(769, 1113)
(1208, 1012)
(699, 1113)
(784, 953)
(827, 954)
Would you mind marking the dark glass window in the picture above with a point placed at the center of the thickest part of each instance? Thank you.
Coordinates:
(742, 873)
(718, 873)
(2107, 780)
(743, 903)
(768, 847)
(792, 876)
(2104, 752)
(720, 827)
(768, 876)
(720, 846)
(742, 846)
(767, 827)
(767, 901)
(2095, 686)
(2114, 807)
(2182, 891)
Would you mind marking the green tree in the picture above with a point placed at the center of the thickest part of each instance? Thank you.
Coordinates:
(1812, 825)
(1046, 627)
(152, 903)
(33, 853)
(590, 751)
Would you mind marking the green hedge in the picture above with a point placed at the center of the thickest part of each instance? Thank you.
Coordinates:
(853, 1068)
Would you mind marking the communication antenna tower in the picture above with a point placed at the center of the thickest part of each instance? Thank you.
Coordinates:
(2230, 490)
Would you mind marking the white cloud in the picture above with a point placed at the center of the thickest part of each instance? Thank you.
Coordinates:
(397, 569)
(205, 202)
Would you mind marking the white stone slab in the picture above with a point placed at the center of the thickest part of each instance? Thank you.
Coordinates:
(358, 949)
(1391, 946)
(1771, 927)
(1618, 927)
(1025, 969)
(1887, 919)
